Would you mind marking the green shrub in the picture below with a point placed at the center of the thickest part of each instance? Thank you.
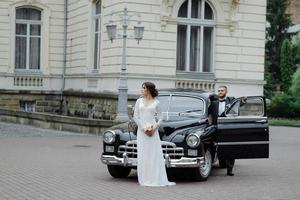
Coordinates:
(269, 87)
(286, 65)
(295, 88)
(285, 106)
(295, 42)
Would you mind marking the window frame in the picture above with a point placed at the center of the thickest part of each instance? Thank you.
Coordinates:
(197, 22)
(28, 24)
(97, 16)
(45, 21)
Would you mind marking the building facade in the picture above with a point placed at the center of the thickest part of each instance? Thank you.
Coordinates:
(294, 10)
(48, 47)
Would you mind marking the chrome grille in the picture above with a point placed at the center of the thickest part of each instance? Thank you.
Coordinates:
(130, 148)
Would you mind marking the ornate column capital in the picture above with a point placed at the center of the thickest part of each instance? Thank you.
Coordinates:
(165, 13)
(233, 18)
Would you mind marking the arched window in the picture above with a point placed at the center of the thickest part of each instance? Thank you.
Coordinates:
(97, 33)
(195, 36)
(28, 39)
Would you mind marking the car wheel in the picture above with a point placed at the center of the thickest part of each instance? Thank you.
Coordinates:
(222, 163)
(203, 171)
(118, 171)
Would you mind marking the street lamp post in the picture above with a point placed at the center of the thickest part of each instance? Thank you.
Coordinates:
(122, 114)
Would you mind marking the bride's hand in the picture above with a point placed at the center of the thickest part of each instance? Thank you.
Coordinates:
(149, 131)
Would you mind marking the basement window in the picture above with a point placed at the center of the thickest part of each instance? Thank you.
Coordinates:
(27, 106)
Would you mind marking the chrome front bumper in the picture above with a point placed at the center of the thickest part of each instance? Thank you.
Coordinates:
(125, 161)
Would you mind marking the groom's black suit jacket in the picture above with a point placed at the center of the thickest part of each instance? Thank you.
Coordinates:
(215, 109)
(215, 114)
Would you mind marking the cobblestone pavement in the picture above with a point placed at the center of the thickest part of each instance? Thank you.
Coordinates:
(37, 164)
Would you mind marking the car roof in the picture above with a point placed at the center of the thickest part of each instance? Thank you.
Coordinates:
(193, 92)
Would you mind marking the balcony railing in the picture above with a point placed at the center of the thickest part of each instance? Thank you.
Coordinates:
(28, 81)
(195, 84)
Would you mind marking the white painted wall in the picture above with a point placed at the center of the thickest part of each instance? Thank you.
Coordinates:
(238, 53)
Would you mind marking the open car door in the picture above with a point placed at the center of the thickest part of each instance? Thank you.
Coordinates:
(244, 131)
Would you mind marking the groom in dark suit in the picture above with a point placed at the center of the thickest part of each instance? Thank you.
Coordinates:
(218, 108)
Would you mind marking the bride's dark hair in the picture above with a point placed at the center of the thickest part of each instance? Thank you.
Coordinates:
(151, 88)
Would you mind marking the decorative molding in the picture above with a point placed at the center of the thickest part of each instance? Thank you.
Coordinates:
(166, 12)
(92, 83)
(27, 81)
(30, 2)
(194, 84)
(195, 75)
(236, 2)
(233, 18)
(240, 81)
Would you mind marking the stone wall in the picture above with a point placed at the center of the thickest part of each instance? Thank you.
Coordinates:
(71, 103)
(56, 122)
(93, 105)
(44, 101)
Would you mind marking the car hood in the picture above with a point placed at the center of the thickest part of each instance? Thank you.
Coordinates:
(176, 130)
(168, 130)
(123, 127)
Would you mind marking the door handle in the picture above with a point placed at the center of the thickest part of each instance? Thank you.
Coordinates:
(261, 121)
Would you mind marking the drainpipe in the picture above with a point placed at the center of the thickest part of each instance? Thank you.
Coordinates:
(64, 55)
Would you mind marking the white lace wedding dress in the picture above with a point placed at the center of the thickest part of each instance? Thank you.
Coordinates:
(151, 166)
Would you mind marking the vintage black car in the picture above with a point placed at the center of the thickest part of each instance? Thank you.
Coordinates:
(188, 140)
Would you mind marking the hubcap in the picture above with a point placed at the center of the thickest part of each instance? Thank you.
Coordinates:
(205, 168)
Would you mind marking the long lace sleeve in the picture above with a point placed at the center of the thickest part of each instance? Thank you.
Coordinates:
(158, 114)
(136, 113)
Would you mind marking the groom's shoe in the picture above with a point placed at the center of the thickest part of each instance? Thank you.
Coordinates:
(229, 173)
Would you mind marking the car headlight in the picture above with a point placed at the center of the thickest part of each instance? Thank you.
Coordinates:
(193, 140)
(109, 137)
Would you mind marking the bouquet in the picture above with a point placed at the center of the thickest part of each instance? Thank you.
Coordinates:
(148, 129)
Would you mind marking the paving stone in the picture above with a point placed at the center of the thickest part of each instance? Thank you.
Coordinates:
(39, 164)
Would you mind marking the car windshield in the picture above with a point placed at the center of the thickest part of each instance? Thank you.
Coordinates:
(176, 107)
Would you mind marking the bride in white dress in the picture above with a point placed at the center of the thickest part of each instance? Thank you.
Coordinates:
(151, 166)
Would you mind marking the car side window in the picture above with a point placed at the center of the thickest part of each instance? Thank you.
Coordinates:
(176, 107)
(252, 106)
(187, 104)
(234, 110)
